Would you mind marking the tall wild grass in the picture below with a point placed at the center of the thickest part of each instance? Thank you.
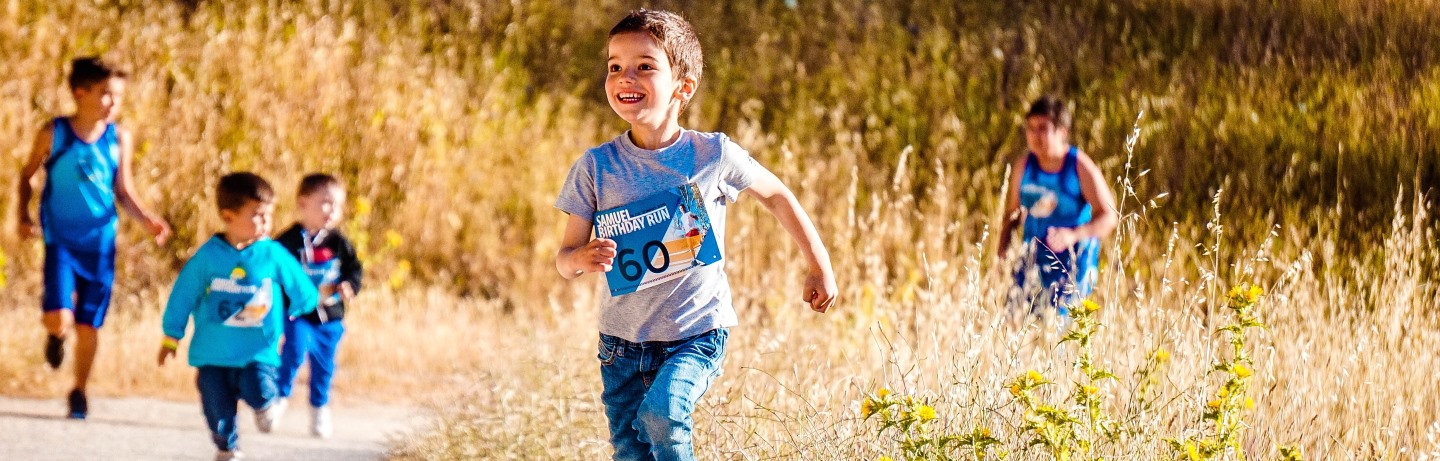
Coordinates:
(1293, 145)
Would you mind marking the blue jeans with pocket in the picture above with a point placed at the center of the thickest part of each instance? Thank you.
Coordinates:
(652, 387)
(221, 389)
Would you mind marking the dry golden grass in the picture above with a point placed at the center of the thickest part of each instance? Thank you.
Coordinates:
(453, 124)
(1334, 378)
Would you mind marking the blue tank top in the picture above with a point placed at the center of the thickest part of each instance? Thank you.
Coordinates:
(77, 206)
(1055, 200)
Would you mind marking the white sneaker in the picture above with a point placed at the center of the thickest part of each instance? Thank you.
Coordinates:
(229, 455)
(277, 410)
(321, 426)
(265, 419)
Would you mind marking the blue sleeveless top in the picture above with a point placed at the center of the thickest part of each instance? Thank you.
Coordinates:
(1055, 200)
(77, 206)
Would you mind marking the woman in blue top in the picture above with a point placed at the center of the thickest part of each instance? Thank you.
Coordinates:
(1060, 196)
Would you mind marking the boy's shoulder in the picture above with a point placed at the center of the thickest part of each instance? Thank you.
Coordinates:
(211, 250)
(699, 140)
(290, 234)
(709, 137)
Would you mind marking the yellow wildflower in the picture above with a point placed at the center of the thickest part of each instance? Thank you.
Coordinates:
(1035, 376)
(867, 408)
(983, 432)
(1089, 306)
(1192, 452)
(393, 239)
(1089, 390)
(1224, 392)
(1249, 403)
(1015, 389)
(1162, 355)
(925, 413)
(1234, 291)
(1241, 371)
(882, 393)
(884, 458)
(1213, 404)
(362, 207)
(1254, 293)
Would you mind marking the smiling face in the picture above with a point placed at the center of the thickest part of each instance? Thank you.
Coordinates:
(100, 100)
(249, 222)
(640, 83)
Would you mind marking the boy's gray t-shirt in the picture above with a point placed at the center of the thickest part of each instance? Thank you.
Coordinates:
(617, 173)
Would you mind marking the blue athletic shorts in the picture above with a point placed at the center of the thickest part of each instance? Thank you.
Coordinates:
(79, 281)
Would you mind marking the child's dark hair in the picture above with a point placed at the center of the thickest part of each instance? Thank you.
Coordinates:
(1052, 107)
(90, 70)
(316, 181)
(675, 35)
(237, 189)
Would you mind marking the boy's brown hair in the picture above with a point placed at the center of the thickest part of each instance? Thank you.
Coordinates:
(90, 70)
(675, 36)
(237, 189)
(316, 181)
(1052, 107)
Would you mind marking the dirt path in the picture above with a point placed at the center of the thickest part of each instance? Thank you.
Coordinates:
(149, 429)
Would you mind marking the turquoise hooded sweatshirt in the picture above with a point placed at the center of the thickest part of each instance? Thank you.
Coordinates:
(238, 300)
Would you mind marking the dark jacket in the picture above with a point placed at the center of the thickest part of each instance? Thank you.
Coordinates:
(332, 253)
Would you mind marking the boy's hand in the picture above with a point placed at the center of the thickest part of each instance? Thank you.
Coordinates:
(27, 228)
(158, 228)
(346, 292)
(167, 349)
(820, 290)
(596, 256)
(1061, 238)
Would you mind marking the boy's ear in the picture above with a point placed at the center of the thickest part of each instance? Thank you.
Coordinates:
(686, 91)
(227, 215)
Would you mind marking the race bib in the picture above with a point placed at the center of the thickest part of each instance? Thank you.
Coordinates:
(241, 302)
(657, 239)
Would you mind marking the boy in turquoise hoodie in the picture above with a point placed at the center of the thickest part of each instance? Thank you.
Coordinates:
(233, 286)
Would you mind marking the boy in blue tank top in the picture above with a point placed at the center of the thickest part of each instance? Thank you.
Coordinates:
(86, 157)
(655, 200)
(1060, 196)
(236, 287)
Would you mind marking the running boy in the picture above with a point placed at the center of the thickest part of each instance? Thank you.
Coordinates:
(330, 260)
(87, 177)
(1061, 197)
(663, 326)
(231, 287)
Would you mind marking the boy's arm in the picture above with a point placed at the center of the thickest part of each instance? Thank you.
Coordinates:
(185, 296)
(1103, 218)
(39, 153)
(295, 284)
(1011, 219)
(352, 271)
(820, 289)
(125, 193)
(578, 254)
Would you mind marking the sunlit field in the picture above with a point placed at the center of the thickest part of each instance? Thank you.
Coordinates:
(1292, 148)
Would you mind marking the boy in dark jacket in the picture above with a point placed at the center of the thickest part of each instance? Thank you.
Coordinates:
(329, 259)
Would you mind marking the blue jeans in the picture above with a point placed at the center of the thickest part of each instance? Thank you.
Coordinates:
(317, 343)
(652, 387)
(221, 389)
